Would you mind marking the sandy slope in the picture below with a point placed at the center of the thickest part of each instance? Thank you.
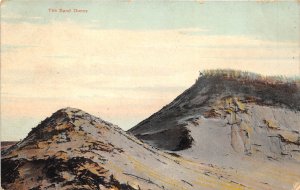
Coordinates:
(252, 127)
(74, 150)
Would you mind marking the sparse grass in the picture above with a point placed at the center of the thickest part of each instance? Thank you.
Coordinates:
(248, 76)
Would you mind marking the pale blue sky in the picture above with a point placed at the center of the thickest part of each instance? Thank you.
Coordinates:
(271, 21)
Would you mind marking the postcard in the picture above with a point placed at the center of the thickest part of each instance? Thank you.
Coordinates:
(130, 95)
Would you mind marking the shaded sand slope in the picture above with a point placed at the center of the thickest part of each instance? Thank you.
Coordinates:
(236, 120)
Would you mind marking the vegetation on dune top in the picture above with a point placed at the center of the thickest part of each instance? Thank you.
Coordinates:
(248, 76)
(267, 90)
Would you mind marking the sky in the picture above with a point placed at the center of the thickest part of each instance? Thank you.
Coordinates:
(124, 60)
